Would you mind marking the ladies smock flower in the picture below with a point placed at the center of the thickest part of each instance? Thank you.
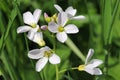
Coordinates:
(70, 12)
(32, 27)
(44, 54)
(61, 29)
(91, 67)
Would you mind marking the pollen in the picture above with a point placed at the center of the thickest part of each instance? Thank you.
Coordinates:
(41, 43)
(60, 29)
(81, 67)
(33, 25)
(47, 54)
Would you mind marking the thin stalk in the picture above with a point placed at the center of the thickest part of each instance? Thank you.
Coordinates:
(54, 48)
(57, 74)
(64, 70)
(106, 63)
(41, 74)
(74, 48)
(54, 42)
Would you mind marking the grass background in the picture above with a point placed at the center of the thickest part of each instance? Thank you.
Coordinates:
(100, 31)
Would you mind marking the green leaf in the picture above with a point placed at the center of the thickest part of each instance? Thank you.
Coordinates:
(107, 17)
(7, 31)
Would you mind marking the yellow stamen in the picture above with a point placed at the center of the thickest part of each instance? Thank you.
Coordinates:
(81, 67)
(41, 43)
(33, 25)
(60, 29)
(47, 54)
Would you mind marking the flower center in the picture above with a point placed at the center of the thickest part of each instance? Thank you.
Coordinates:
(48, 53)
(33, 25)
(81, 67)
(41, 43)
(60, 29)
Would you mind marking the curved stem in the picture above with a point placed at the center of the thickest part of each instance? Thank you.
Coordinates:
(64, 70)
(75, 49)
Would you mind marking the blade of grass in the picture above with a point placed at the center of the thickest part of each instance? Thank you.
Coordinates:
(9, 66)
(3, 71)
(107, 17)
(11, 19)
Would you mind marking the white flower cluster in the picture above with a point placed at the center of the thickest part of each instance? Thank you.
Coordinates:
(56, 25)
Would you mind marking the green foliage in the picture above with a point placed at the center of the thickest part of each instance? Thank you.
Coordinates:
(99, 30)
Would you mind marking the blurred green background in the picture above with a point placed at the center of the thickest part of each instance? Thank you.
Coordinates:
(100, 31)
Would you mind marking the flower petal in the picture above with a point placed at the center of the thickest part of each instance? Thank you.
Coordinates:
(35, 54)
(32, 32)
(95, 62)
(78, 17)
(52, 26)
(93, 71)
(22, 29)
(38, 38)
(97, 71)
(41, 63)
(61, 36)
(62, 18)
(30, 35)
(70, 11)
(71, 28)
(89, 55)
(28, 18)
(89, 70)
(54, 59)
(58, 8)
(43, 49)
(36, 15)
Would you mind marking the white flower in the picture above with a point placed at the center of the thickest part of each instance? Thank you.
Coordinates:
(43, 54)
(91, 67)
(61, 29)
(38, 38)
(70, 12)
(32, 27)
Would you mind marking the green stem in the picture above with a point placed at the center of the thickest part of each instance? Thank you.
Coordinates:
(64, 70)
(74, 48)
(54, 42)
(57, 74)
(54, 48)
(106, 62)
